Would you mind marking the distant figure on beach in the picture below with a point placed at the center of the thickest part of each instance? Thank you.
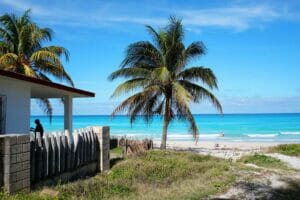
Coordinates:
(38, 128)
(221, 134)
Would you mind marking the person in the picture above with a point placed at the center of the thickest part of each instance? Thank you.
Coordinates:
(38, 128)
(221, 134)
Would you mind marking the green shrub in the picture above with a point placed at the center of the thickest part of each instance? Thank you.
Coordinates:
(287, 149)
(263, 161)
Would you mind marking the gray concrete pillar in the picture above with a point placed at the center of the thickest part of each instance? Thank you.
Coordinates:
(68, 113)
(102, 133)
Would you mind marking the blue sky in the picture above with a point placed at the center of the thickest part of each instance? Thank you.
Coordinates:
(253, 46)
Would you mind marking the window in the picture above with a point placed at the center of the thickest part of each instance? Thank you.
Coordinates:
(2, 113)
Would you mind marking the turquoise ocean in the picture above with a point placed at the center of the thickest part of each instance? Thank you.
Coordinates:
(236, 127)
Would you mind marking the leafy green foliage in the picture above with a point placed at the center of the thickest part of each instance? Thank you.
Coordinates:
(22, 51)
(287, 149)
(162, 84)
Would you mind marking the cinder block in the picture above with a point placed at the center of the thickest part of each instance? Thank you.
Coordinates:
(7, 168)
(10, 178)
(15, 167)
(6, 150)
(19, 185)
(25, 165)
(26, 156)
(26, 147)
(23, 175)
(27, 173)
(10, 140)
(26, 183)
(13, 159)
(16, 149)
(19, 157)
(23, 139)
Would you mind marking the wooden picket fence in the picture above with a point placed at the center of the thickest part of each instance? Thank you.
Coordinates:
(61, 152)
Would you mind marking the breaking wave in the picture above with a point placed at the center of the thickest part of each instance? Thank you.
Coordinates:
(262, 135)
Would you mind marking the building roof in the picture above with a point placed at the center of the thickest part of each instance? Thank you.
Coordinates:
(45, 89)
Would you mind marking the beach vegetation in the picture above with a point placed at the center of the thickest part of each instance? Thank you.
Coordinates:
(163, 84)
(118, 151)
(286, 149)
(155, 174)
(262, 160)
(22, 50)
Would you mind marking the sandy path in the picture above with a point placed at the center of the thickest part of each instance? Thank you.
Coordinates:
(293, 162)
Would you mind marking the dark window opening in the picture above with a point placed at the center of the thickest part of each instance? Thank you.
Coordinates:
(2, 113)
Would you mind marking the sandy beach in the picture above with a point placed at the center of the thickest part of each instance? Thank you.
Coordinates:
(222, 149)
(221, 144)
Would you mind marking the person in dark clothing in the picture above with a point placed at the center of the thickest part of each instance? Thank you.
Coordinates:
(38, 128)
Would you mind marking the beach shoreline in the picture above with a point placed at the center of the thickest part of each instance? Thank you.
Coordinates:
(232, 150)
(221, 144)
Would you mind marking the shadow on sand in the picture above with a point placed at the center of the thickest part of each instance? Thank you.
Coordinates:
(250, 190)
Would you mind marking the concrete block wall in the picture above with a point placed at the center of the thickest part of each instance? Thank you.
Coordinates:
(15, 159)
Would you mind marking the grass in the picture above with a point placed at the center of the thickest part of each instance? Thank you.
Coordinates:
(153, 175)
(286, 149)
(263, 161)
(117, 151)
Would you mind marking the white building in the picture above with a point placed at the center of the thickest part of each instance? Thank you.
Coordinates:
(16, 90)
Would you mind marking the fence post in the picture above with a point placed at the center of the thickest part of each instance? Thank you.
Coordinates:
(102, 134)
(16, 162)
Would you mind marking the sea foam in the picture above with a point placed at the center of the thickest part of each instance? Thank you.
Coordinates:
(181, 136)
(290, 133)
(262, 135)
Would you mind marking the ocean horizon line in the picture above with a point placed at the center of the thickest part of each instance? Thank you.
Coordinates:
(268, 113)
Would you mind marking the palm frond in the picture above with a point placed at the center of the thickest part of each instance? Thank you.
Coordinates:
(55, 70)
(130, 73)
(141, 52)
(59, 51)
(184, 113)
(135, 99)
(161, 75)
(130, 85)
(200, 93)
(9, 61)
(181, 94)
(46, 106)
(42, 55)
(194, 50)
(203, 74)
(5, 35)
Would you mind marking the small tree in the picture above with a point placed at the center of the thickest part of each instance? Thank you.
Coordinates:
(166, 86)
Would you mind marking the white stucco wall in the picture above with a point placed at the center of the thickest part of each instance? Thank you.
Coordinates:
(17, 105)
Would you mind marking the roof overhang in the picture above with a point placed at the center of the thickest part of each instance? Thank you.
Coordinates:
(45, 89)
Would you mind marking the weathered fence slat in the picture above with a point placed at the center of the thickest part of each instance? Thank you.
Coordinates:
(60, 152)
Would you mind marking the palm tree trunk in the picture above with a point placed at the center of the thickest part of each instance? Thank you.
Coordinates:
(163, 143)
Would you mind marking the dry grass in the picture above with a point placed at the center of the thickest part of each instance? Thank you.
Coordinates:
(152, 175)
(286, 149)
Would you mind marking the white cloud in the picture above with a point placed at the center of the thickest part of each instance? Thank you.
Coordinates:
(240, 17)
(235, 17)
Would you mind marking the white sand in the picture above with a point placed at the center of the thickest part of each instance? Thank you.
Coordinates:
(293, 162)
(222, 149)
(222, 144)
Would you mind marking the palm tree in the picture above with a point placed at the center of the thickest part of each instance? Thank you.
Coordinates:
(22, 51)
(164, 85)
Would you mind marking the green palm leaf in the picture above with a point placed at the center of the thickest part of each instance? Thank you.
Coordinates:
(22, 51)
(160, 73)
